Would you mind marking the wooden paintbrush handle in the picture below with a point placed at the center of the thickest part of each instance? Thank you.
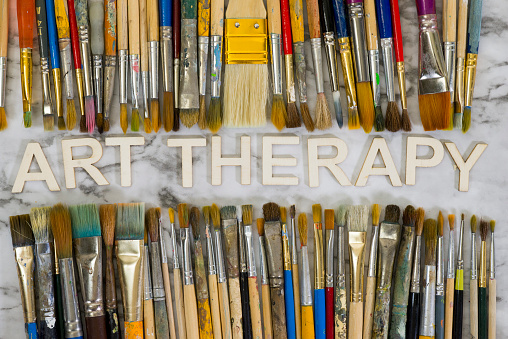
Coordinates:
(225, 311)
(308, 322)
(169, 300)
(370, 24)
(492, 308)
(370, 299)
(255, 309)
(133, 330)
(180, 310)
(449, 20)
(205, 319)
(214, 305)
(143, 36)
(313, 17)
(235, 304)
(191, 311)
(152, 13)
(26, 20)
(133, 16)
(267, 311)
(296, 11)
(122, 25)
(278, 312)
(96, 327)
(110, 27)
(482, 313)
(462, 29)
(274, 22)
(217, 17)
(296, 292)
(355, 320)
(473, 308)
(62, 22)
(246, 9)
(203, 17)
(148, 319)
(449, 307)
(96, 8)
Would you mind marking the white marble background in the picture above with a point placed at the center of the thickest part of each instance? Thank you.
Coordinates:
(157, 179)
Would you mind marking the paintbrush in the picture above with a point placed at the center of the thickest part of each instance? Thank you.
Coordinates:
(323, 116)
(307, 309)
(370, 291)
(293, 117)
(244, 276)
(449, 44)
(176, 67)
(473, 283)
(86, 238)
(44, 261)
(225, 315)
(482, 290)
(298, 34)
(329, 292)
(166, 45)
(134, 59)
(295, 273)
(433, 87)
(97, 41)
(60, 219)
(230, 231)
(148, 312)
(450, 276)
(151, 85)
(55, 62)
(177, 282)
(440, 285)
(340, 288)
(458, 298)
(246, 59)
(48, 113)
(4, 39)
(203, 45)
(460, 65)
(372, 47)
(357, 218)
(26, 19)
(319, 274)
(110, 44)
(159, 296)
(265, 284)
(413, 308)
(22, 244)
(428, 313)
(389, 238)
(60, 324)
(204, 313)
(144, 65)
(214, 115)
(129, 250)
(123, 59)
(402, 277)
(189, 97)
(288, 277)
(273, 240)
(492, 284)
(107, 214)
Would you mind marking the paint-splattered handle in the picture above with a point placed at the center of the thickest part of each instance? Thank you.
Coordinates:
(278, 312)
(440, 303)
(382, 312)
(45, 331)
(339, 12)
(31, 330)
(133, 330)
(110, 27)
(112, 324)
(474, 26)
(235, 304)
(161, 319)
(203, 17)
(340, 310)
(205, 320)
(296, 11)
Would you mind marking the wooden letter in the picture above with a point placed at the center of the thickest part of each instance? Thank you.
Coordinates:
(34, 150)
(218, 161)
(465, 167)
(331, 163)
(368, 169)
(87, 163)
(125, 144)
(412, 161)
(186, 144)
(269, 161)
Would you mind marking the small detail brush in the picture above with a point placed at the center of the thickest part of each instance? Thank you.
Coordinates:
(307, 309)
(144, 56)
(458, 298)
(340, 287)
(4, 39)
(295, 272)
(329, 292)
(110, 45)
(482, 290)
(440, 283)
(449, 44)
(460, 65)
(244, 276)
(370, 290)
(148, 313)
(166, 46)
(97, 44)
(265, 285)
(492, 284)
(319, 274)
(450, 276)
(413, 307)
(152, 84)
(55, 62)
(177, 283)
(134, 60)
(214, 115)
(26, 19)
(176, 68)
(428, 315)
(288, 277)
(203, 47)
(123, 60)
(473, 282)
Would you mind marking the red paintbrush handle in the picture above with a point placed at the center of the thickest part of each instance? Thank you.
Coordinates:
(26, 20)
(286, 27)
(330, 299)
(176, 29)
(397, 34)
(73, 25)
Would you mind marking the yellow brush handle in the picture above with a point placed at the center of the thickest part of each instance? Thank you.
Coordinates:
(133, 330)
(205, 319)
(308, 322)
(148, 319)
(370, 299)
(267, 311)
(296, 293)
(169, 300)
(225, 315)
(355, 320)
(492, 309)
(235, 303)
(450, 286)
(180, 311)
(296, 13)
(153, 20)
(191, 311)
(203, 17)
(62, 22)
(473, 308)
(122, 25)
(214, 305)
(370, 25)
(255, 309)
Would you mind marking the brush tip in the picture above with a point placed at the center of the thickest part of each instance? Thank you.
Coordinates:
(261, 226)
(430, 235)
(302, 228)
(228, 212)
(21, 231)
(420, 215)
(171, 213)
(100, 122)
(27, 119)
(307, 119)
(292, 211)
(206, 214)
(283, 214)
(215, 214)
(107, 215)
(247, 214)
(82, 124)
(338, 108)
(168, 112)
(323, 114)
(39, 219)
(392, 117)
(409, 216)
(60, 220)
(358, 218)
(85, 221)
(492, 225)
(271, 211)
(135, 120)
(279, 114)
(473, 224)
(365, 105)
(48, 122)
(434, 110)
(60, 123)
(341, 215)
(353, 118)
(154, 114)
(202, 112)
(3, 119)
(451, 221)
(316, 213)
(392, 213)
(176, 119)
(329, 219)
(90, 113)
(440, 224)
(189, 116)
(376, 211)
(379, 121)
(71, 114)
(106, 125)
(123, 118)
(183, 215)
(152, 224)
(406, 122)
(147, 125)
(466, 119)
(130, 221)
(484, 229)
(293, 118)
(214, 117)
(194, 221)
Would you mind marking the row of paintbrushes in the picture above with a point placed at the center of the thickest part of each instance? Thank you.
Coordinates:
(228, 303)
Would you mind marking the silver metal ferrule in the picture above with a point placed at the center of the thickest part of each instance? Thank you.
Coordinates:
(145, 84)
(134, 63)
(415, 278)
(450, 273)
(357, 24)
(294, 253)
(176, 82)
(241, 246)
(389, 239)
(46, 87)
(3, 76)
(263, 265)
(460, 255)
(492, 257)
(166, 41)
(221, 268)
(189, 98)
(374, 75)
(431, 65)
(251, 257)
(147, 279)
(388, 63)
(44, 257)
(174, 243)
(203, 43)
(331, 56)
(459, 85)
(123, 60)
(153, 66)
(315, 45)
(330, 240)
(88, 253)
(66, 66)
(216, 65)
(212, 270)
(109, 82)
(300, 69)
(97, 79)
(70, 304)
(276, 58)
(373, 252)
(157, 279)
(474, 258)
(440, 286)
(449, 51)
(306, 285)
(274, 253)
(164, 253)
(188, 277)
(86, 60)
(341, 261)
(428, 316)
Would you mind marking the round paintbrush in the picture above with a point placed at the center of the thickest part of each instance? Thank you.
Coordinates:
(428, 315)
(307, 308)
(492, 285)
(413, 308)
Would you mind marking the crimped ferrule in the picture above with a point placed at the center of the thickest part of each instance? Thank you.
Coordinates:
(153, 50)
(45, 288)
(157, 280)
(26, 78)
(387, 50)
(145, 84)
(470, 78)
(203, 43)
(440, 286)
(188, 276)
(66, 66)
(341, 260)
(3, 76)
(306, 285)
(241, 247)
(216, 65)
(330, 240)
(25, 265)
(483, 264)
(97, 79)
(58, 91)
(251, 257)
(221, 268)
(474, 258)
(212, 268)
(135, 78)
(459, 85)
(263, 266)
(373, 252)
(276, 58)
(357, 24)
(428, 316)
(174, 243)
(315, 45)
(319, 269)
(450, 274)
(69, 299)
(300, 67)
(46, 87)
(449, 58)
(109, 82)
(492, 258)
(344, 47)
(374, 75)
(85, 59)
(290, 78)
(401, 76)
(331, 56)
(189, 99)
(123, 60)
(415, 278)
(166, 42)
(81, 90)
(176, 81)
(294, 253)
(147, 277)
(286, 254)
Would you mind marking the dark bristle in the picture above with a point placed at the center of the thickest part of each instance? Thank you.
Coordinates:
(302, 228)
(82, 124)
(247, 214)
(409, 216)
(130, 221)
(358, 218)
(194, 221)
(292, 211)
(307, 119)
(228, 212)
(271, 212)
(261, 226)
(107, 214)
(392, 117)
(329, 219)
(183, 215)
(206, 214)
(215, 214)
(435, 110)
(62, 232)
(420, 215)
(392, 213)
(39, 219)
(176, 119)
(430, 235)
(152, 224)
(379, 121)
(21, 231)
(100, 122)
(85, 221)
(406, 122)
(293, 119)
(484, 229)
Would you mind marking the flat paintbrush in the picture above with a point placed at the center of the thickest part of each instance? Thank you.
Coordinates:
(307, 309)
(203, 46)
(340, 287)
(177, 279)
(148, 312)
(134, 60)
(123, 60)
(440, 283)
(26, 19)
(329, 273)
(97, 44)
(450, 276)
(288, 277)
(370, 290)
(166, 46)
(458, 298)
(319, 274)
(214, 115)
(492, 284)
(22, 244)
(176, 67)
(449, 44)
(265, 284)
(428, 313)
(413, 307)
(165, 273)
(145, 71)
(110, 46)
(482, 289)
(244, 275)
(473, 282)
(4, 39)
(152, 84)
(460, 64)
(295, 272)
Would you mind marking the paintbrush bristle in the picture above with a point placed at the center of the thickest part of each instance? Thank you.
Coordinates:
(420, 215)
(130, 221)
(206, 214)
(48, 121)
(466, 120)
(329, 219)
(3, 119)
(279, 114)
(147, 125)
(365, 105)
(358, 218)
(379, 121)
(194, 222)
(215, 214)
(434, 110)
(261, 226)
(451, 221)
(152, 224)
(214, 116)
(27, 119)
(21, 232)
(271, 211)
(85, 221)
(71, 115)
(123, 118)
(429, 227)
(228, 212)
(492, 225)
(247, 214)
(409, 216)
(307, 119)
(392, 213)
(107, 214)
(302, 228)
(40, 218)
(450, 121)
(484, 229)
(392, 117)
(316, 213)
(473, 224)
(283, 214)
(60, 219)
(100, 122)
(202, 112)
(90, 113)
(239, 213)
(168, 107)
(154, 112)
(440, 224)
(341, 215)
(292, 211)
(376, 212)
(82, 124)
(106, 124)
(338, 108)
(293, 118)
(135, 119)
(189, 116)
(353, 119)
(183, 215)
(323, 114)
(406, 122)
(171, 213)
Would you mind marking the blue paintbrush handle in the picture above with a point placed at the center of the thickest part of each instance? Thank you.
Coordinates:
(31, 330)
(384, 18)
(320, 313)
(339, 13)
(165, 9)
(52, 34)
(474, 26)
(290, 304)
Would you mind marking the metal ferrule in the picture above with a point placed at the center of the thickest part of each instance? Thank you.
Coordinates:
(492, 258)
(306, 285)
(147, 279)
(483, 264)
(401, 76)
(315, 45)
(153, 61)
(221, 267)
(274, 253)
(276, 58)
(319, 263)
(203, 43)
(357, 25)
(109, 82)
(459, 85)
(3, 76)
(129, 254)
(330, 239)
(460, 255)
(66, 66)
(188, 277)
(346, 59)
(286, 254)
(97, 79)
(331, 56)
(145, 83)
(26, 78)
(241, 247)
(85, 59)
(189, 98)
(88, 253)
(72, 322)
(45, 287)
(230, 231)
(415, 278)
(25, 265)
(374, 75)
(440, 286)
(251, 257)
(157, 280)
(46, 87)
(300, 67)
(174, 243)
(81, 90)
(449, 58)
(387, 50)
(294, 253)
(212, 270)
(134, 63)
(263, 266)
(58, 91)
(389, 238)
(474, 258)
(216, 65)
(176, 81)
(470, 78)
(357, 241)
(450, 274)
(341, 260)
(290, 78)
(428, 316)
(123, 60)
(373, 252)
(166, 42)
(164, 253)
(431, 66)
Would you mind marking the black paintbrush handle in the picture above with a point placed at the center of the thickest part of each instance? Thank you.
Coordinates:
(45, 332)
(244, 289)
(59, 307)
(413, 316)
(42, 28)
(112, 324)
(458, 304)
(326, 16)
(483, 318)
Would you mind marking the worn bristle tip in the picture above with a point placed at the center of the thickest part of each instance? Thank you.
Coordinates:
(466, 120)
(135, 120)
(406, 122)
(228, 212)
(3, 119)
(492, 225)
(316, 213)
(247, 214)
(484, 229)
(353, 118)
(123, 117)
(206, 214)
(420, 215)
(434, 110)
(194, 221)
(358, 218)
(261, 226)
(171, 215)
(130, 221)
(376, 211)
(183, 215)
(168, 108)
(71, 115)
(90, 114)
(154, 111)
(21, 231)
(307, 119)
(107, 214)
(329, 219)
(283, 214)
(40, 218)
(409, 216)
(302, 228)
(176, 119)
(293, 118)
(392, 213)
(473, 224)
(365, 105)
(440, 224)
(292, 211)
(215, 214)
(338, 108)
(279, 113)
(392, 117)
(147, 124)
(341, 215)
(430, 235)
(60, 219)
(106, 125)
(152, 224)
(100, 122)
(271, 211)
(451, 221)
(49, 122)
(189, 116)
(202, 112)
(214, 116)
(323, 114)
(27, 119)
(60, 124)
(379, 121)
(85, 221)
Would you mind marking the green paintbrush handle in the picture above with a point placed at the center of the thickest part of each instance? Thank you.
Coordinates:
(59, 306)
(189, 9)
(482, 313)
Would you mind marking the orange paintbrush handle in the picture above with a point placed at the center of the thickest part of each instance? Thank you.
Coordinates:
(26, 20)
(133, 330)
(110, 27)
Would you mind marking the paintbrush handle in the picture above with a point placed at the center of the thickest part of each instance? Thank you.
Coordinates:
(52, 34)
(313, 18)
(4, 27)
(110, 296)
(369, 7)
(278, 312)
(355, 320)
(217, 18)
(382, 312)
(152, 14)
(274, 22)
(473, 307)
(244, 289)
(341, 308)
(191, 311)
(440, 316)
(203, 18)
(492, 309)
(96, 26)
(26, 20)
(296, 11)
(255, 309)
(326, 16)
(397, 31)
(474, 26)
(133, 16)
(225, 311)
(81, 8)
(290, 304)
(161, 319)
(176, 28)
(458, 305)
(214, 305)
(267, 311)
(287, 40)
(96, 327)
(320, 313)
(59, 306)
(413, 316)
(462, 29)
(330, 313)
(296, 292)
(122, 25)
(235, 305)
(112, 325)
(308, 322)
(169, 300)
(133, 330)
(482, 313)
(148, 319)
(42, 28)
(143, 36)
(205, 320)
(341, 26)
(62, 21)
(76, 55)
(450, 283)
(189, 9)
(425, 7)
(370, 299)
(449, 20)
(384, 18)
(180, 310)
(110, 27)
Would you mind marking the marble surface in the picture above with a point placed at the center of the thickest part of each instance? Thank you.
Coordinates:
(156, 169)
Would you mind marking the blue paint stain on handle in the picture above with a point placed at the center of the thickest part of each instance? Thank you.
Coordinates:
(290, 304)
(31, 330)
(320, 314)
(384, 18)
(339, 13)
(54, 50)
(165, 10)
(474, 26)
